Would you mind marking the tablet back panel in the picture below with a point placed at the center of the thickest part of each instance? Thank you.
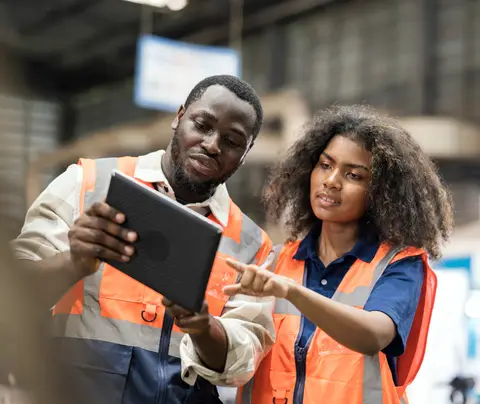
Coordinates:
(176, 246)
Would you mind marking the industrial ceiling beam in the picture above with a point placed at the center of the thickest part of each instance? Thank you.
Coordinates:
(57, 15)
(122, 58)
(167, 24)
(270, 15)
(215, 34)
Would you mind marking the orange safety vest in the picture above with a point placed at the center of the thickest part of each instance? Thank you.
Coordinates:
(109, 306)
(332, 373)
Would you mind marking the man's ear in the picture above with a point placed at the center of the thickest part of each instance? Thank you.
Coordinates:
(176, 121)
(242, 160)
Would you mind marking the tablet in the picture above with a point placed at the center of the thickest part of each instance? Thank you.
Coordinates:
(176, 246)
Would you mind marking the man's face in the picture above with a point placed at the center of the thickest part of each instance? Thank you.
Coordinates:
(212, 136)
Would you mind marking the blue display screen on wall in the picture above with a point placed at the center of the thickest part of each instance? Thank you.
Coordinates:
(166, 70)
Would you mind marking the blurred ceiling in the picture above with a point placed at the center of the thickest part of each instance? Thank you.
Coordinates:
(80, 44)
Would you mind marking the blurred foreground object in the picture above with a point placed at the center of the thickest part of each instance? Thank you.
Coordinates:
(25, 361)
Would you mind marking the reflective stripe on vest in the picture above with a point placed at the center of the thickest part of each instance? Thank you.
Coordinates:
(246, 392)
(87, 314)
(355, 292)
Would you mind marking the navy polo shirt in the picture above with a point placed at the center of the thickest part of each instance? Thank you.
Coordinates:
(396, 293)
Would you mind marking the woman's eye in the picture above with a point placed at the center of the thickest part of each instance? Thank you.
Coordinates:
(354, 176)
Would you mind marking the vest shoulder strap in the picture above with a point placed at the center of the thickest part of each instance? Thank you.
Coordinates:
(388, 258)
(235, 212)
(88, 180)
(127, 165)
(281, 250)
(93, 169)
(409, 363)
(408, 252)
(89, 174)
(276, 252)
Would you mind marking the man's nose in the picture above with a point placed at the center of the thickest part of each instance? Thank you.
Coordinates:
(211, 144)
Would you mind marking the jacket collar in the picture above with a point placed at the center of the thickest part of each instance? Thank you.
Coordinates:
(365, 248)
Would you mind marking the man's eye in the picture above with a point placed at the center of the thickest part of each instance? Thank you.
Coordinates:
(232, 142)
(199, 125)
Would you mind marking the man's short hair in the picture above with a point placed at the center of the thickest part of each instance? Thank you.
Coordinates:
(240, 88)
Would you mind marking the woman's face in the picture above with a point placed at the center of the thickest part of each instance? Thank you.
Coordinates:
(339, 182)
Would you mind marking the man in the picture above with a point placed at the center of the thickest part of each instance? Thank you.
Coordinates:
(123, 343)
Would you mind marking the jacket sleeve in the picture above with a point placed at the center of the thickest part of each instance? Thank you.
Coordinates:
(248, 323)
(49, 219)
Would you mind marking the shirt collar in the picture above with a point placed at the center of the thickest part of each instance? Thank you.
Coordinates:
(365, 248)
(149, 169)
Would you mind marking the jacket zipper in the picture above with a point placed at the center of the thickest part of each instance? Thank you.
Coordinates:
(301, 359)
(163, 356)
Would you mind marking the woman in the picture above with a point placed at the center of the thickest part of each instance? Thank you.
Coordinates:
(355, 295)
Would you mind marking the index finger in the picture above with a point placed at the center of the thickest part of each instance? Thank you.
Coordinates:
(237, 266)
(104, 210)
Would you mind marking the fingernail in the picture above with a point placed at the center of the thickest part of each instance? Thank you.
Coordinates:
(120, 217)
(132, 236)
(125, 259)
(129, 250)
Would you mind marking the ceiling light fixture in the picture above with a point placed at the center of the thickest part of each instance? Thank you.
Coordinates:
(173, 5)
(177, 5)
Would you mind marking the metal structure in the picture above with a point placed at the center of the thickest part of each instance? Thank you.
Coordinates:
(81, 44)
(409, 56)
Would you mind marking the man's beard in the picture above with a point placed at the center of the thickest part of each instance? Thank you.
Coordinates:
(183, 181)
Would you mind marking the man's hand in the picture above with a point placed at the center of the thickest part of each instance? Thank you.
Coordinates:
(206, 332)
(97, 235)
(187, 321)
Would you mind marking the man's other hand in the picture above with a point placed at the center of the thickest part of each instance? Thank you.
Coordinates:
(187, 321)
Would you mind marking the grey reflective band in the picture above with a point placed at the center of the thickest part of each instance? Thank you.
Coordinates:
(103, 170)
(92, 325)
(174, 347)
(360, 294)
(357, 298)
(283, 306)
(276, 252)
(372, 392)
(247, 392)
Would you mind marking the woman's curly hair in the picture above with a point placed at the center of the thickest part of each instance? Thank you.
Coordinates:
(407, 203)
